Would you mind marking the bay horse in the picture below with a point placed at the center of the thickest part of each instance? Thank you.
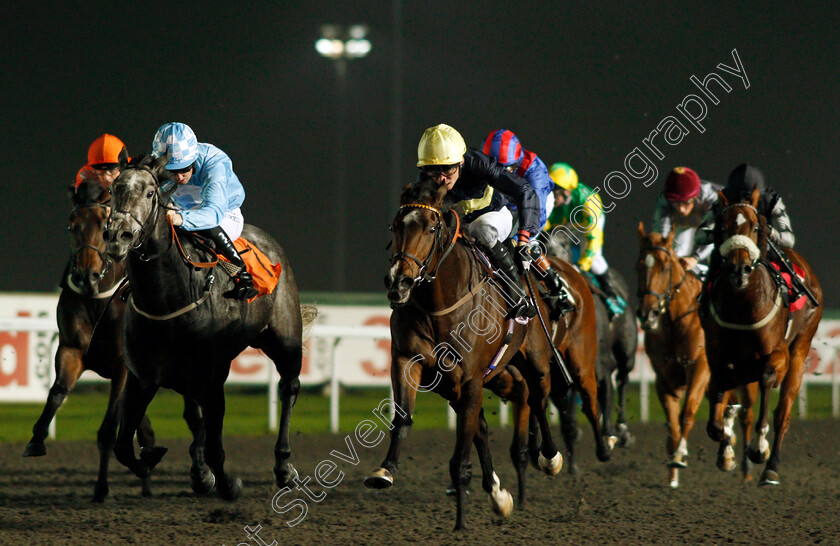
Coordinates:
(673, 340)
(617, 343)
(751, 335)
(181, 333)
(86, 303)
(450, 336)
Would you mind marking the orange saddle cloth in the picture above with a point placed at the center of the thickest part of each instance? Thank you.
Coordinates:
(258, 265)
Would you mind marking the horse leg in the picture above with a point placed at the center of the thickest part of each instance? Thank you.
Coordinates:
(698, 379)
(136, 398)
(565, 400)
(588, 389)
(781, 416)
(284, 472)
(625, 439)
(202, 479)
(405, 395)
(749, 394)
(606, 396)
(762, 426)
(107, 435)
(511, 386)
(674, 447)
(468, 408)
(213, 410)
(549, 460)
(68, 368)
(500, 499)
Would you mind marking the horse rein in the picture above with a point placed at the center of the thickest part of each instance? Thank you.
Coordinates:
(424, 264)
(151, 219)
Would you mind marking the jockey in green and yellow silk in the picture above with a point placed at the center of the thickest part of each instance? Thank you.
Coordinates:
(579, 209)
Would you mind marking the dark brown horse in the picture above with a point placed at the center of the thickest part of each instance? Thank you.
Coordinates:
(85, 304)
(180, 332)
(450, 336)
(674, 340)
(751, 335)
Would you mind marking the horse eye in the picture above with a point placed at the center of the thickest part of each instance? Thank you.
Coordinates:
(432, 230)
(150, 194)
(390, 227)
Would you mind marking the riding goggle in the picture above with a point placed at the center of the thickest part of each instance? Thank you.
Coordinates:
(105, 167)
(437, 170)
(512, 167)
(186, 169)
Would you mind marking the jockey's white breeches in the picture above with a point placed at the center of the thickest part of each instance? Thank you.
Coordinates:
(491, 227)
(232, 224)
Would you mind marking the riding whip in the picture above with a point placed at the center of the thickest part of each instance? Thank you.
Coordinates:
(560, 363)
(794, 278)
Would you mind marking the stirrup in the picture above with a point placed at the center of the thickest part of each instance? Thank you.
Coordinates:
(523, 308)
(243, 289)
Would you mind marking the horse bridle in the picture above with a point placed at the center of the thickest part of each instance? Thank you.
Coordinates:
(755, 228)
(423, 265)
(106, 260)
(151, 219)
(663, 299)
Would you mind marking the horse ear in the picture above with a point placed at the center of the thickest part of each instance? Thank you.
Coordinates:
(722, 198)
(159, 165)
(641, 230)
(756, 195)
(71, 193)
(123, 158)
(669, 240)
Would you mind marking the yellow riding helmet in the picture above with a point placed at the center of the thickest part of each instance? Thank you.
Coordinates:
(564, 176)
(440, 145)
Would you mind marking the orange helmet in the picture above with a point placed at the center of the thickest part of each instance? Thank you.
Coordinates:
(105, 149)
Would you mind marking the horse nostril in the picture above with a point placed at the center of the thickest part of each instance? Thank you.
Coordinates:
(125, 236)
(748, 269)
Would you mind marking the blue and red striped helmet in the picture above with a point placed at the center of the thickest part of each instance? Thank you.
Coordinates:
(503, 146)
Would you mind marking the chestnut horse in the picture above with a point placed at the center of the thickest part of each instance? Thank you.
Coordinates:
(673, 339)
(450, 336)
(751, 336)
(86, 303)
(182, 333)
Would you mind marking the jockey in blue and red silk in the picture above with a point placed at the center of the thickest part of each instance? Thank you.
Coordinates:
(504, 146)
(208, 196)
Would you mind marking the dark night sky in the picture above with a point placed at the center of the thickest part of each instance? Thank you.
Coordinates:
(582, 84)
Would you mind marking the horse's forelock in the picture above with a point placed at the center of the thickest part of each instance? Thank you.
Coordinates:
(425, 192)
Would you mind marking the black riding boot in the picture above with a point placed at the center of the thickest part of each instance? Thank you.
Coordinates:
(243, 287)
(513, 288)
(557, 291)
(615, 303)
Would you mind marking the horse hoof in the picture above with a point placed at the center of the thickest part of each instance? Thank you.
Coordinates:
(675, 483)
(769, 477)
(284, 478)
(202, 483)
(152, 455)
(603, 452)
(100, 493)
(625, 439)
(232, 489)
(146, 488)
(573, 469)
(35, 449)
(380, 479)
(553, 466)
(612, 441)
(677, 462)
(502, 502)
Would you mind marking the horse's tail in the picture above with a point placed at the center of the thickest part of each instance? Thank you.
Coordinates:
(307, 315)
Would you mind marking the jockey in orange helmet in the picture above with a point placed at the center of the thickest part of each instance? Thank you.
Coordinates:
(104, 159)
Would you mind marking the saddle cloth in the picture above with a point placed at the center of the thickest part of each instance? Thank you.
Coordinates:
(258, 265)
(797, 304)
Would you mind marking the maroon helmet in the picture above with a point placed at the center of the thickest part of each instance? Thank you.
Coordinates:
(682, 184)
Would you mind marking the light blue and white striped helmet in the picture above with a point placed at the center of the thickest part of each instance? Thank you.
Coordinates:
(178, 142)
